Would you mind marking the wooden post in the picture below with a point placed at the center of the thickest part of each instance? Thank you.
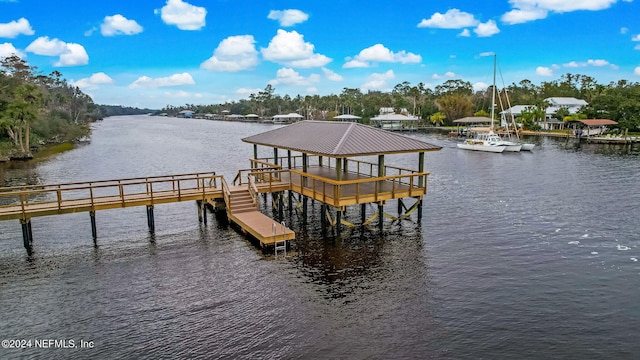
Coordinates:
(27, 235)
(275, 156)
(204, 212)
(421, 168)
(281, 205)
(381, 215)
(323, 215)
(290, 198)
(150, 220)
(363, 213)
(94, 231)
(338, 220)
(339, 169)
(419, 211)
(289, 158)
(198, 206)
(255, 153)
(400, 206)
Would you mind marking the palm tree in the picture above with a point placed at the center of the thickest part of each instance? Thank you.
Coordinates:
(437, 118)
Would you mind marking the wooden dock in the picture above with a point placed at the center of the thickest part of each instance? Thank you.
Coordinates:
(27, 202)
(242, 209)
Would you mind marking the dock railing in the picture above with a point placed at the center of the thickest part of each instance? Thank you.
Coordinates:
(40, 200)
(344, 192)
(354, 166)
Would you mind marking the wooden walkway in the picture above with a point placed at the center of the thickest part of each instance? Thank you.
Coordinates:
(44, 200)
(24, 203)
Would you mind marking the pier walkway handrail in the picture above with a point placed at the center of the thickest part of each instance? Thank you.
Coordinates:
(24, 202)
(348, 191)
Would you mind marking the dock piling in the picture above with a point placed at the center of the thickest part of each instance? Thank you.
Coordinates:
(150, 220)
(94, 231)
(27, 235)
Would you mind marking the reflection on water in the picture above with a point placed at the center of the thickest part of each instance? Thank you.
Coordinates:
(526, 255)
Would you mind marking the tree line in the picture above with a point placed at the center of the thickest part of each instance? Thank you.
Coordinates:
(39, 109)
(454, 99)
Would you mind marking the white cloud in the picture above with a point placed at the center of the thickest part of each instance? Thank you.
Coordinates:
(7, 49)
(636, 71)
(479, 86)
(624, 30)
(183, 15)
(379, 53)
(44, 46)
(637, 47)
(290, 49)
(247, 91)
(519, 16)
(288, 76)
(312, 90)
(448, 74)
(235, 53)
(119, 25)
(288, 17)
(636, 38)
(486, 53)
(355, 64)
(173, 80)
(93, 82)
(332, 75)
(71, 54)
(465, 33)
(452, 19)
(529, 10)
(544, 71)
(15, 28)
(590, 62)
(378, 81)
(182, 95)
(486, 29)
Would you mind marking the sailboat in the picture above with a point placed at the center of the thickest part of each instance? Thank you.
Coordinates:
(525, 146)
(490, 142)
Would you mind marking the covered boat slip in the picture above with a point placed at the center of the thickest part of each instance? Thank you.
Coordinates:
(326, 165)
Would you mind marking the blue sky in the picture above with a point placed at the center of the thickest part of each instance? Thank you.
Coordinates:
(154, 53)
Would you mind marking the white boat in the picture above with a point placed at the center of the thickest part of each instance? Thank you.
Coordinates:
(490, 142)
(480, 145)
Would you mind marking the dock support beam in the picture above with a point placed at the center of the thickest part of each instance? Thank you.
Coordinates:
(363, 213)
(94, 229)
(150, 220)
(27, 235)
(419, 211)
(381, 215)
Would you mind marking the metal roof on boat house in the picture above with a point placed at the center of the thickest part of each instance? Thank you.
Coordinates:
(338, 139)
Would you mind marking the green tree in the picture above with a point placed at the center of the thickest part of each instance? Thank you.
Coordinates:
(437, 118)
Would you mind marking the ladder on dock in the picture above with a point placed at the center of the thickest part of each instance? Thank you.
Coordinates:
(280, 244)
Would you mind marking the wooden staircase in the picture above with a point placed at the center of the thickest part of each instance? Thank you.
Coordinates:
(241, 201)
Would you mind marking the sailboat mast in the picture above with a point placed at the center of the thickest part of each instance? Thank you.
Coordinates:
(493, 92)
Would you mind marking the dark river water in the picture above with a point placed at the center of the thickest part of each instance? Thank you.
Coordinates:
(518, 256)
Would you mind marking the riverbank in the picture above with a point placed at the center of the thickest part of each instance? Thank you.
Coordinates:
(40, 153)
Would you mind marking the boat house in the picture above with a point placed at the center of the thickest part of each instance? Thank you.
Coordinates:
(323, 161)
